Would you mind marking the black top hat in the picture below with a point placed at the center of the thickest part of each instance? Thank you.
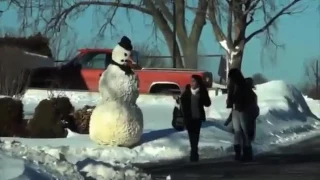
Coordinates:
(125, 42)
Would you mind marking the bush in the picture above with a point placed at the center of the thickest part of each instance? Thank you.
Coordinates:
(82, 119)
(11, 111)
(49, 117)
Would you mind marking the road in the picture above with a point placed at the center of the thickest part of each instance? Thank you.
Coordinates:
(296, 162)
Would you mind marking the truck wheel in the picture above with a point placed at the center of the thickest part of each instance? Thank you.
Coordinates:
(165, 89)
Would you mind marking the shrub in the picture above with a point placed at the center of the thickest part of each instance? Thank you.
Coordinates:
(48, 118)
(82, 119)
(11, 111)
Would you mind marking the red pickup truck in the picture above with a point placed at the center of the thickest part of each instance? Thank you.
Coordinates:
(84, 71)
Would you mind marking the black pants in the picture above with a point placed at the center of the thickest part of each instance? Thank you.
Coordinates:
(193, 128)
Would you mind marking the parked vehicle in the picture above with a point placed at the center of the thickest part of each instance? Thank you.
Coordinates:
(83, 73)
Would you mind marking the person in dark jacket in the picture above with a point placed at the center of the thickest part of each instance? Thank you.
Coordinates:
(240, 99)
(253, 112)
(193, 100)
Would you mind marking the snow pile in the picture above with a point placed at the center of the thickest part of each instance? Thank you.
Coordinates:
(49, 163)
(314, 105)
(285, 118)
(18, 168)
(284, 115)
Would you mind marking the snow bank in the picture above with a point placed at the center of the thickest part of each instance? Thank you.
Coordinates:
(284, 114)
(49, 163)
(18, 168)
(314, 105)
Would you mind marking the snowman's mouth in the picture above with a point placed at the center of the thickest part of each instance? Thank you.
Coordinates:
(124, 67)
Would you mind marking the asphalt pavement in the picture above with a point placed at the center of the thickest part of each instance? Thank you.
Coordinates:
(295, 162)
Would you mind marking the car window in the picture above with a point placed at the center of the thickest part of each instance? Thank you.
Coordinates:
(94, 61)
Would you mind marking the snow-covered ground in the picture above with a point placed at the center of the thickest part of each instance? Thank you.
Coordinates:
(286, 117)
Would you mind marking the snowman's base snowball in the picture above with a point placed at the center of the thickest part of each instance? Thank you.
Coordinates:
(116, 124)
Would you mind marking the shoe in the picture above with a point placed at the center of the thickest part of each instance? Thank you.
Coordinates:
(247, 154)
(237, 151)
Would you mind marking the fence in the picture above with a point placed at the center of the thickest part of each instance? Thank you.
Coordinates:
(213, 63)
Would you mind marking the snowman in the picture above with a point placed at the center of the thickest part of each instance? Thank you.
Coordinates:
(117, 120)
(118, 82)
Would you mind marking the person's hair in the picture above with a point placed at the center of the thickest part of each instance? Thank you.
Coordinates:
(199, 81)
(236, 75)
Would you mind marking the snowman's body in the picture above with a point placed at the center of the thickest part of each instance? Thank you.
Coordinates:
(117, 120)
(116, 85)
(116, 124)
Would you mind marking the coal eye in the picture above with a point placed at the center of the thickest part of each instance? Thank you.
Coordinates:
(125, 54)
(122, 60)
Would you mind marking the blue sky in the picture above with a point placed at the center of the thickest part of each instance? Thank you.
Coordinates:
(300, 34)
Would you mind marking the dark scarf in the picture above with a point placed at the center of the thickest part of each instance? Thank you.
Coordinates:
(127, 69)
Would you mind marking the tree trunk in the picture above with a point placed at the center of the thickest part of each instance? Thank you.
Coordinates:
(191, 56)
(236, 60)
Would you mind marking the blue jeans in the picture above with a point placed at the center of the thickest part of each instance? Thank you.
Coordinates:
(239, 122)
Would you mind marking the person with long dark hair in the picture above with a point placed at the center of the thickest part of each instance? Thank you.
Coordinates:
(193, 100)
(240, 100)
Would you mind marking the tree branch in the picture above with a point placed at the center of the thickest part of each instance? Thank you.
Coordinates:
(199, 21)
(230, 21)
(62, 16)
(164, 27)
(165, 10)
(180, 22)
(221, 37)
(272, 20)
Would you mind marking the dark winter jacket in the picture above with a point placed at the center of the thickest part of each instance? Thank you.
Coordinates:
(204, 100)
(240, 97)
(251, 109)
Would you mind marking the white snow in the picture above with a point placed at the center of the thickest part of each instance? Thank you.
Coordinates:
(224, 45)
(286, 117)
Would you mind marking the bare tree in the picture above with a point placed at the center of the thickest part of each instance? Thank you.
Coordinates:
(63, 46)
(311, 71)
(57, 13)
(311, 86)
(231, 20)
(149, 57)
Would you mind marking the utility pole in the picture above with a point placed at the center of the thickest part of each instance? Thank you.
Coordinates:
(317, 76)
(174, 34)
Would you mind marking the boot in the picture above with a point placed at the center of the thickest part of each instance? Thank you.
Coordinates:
(247, 154)
(237, 151)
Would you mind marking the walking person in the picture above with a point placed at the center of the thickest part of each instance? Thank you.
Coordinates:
(240, 99)
(253, 109)
(193, 100)
(252, 114)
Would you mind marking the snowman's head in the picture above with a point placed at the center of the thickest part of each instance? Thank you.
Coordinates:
(122, 51)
